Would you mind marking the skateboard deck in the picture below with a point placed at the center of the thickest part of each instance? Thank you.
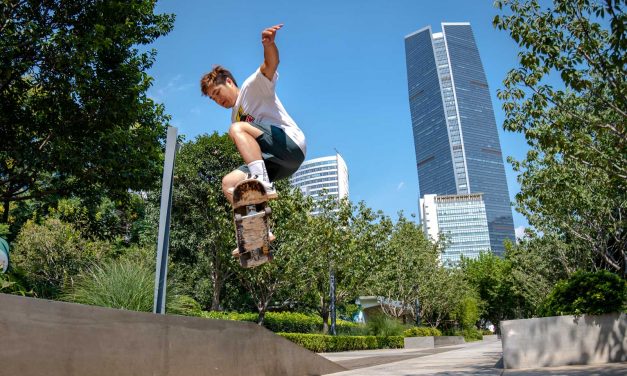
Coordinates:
(250, 215)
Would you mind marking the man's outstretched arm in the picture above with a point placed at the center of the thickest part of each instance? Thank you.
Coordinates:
(270, 51)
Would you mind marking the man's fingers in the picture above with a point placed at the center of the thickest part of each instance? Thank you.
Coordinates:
(274, 28)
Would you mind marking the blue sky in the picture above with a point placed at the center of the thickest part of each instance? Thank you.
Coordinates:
(342, 78)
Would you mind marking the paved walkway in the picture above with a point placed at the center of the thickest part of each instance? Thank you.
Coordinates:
(476, 358)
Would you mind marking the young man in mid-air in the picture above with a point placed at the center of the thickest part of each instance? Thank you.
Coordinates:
(268, 139)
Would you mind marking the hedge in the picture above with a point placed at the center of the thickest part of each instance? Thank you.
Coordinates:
(421, 331)
(325, 343)
(283, 321)
(469, 334)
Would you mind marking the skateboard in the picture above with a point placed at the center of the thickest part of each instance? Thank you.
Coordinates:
(250, 215)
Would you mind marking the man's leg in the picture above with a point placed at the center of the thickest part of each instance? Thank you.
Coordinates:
(244, 136)
(230, 181)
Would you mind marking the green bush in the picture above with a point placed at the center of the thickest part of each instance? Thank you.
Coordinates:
(421, 331)
(487, 332)
(593, 293)
(290, 322)
(126, 284)
(326, 343)
(384, 326)
(472, 334)
(52, 254)
(469, 334)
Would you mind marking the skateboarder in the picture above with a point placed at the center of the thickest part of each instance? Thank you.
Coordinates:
(268, 139)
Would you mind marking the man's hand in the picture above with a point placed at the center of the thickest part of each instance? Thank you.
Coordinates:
(267, 36)
(270, 51)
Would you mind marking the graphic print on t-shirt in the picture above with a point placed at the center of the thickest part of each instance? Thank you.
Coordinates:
(242, 116)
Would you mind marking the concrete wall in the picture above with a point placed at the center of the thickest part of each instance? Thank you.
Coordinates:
(419, 342)
(40, 337)
(449, 340)
(564, 340)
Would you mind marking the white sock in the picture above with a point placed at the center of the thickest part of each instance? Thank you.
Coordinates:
(259, 168)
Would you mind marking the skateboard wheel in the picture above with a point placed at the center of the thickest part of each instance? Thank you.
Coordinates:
(268, 210)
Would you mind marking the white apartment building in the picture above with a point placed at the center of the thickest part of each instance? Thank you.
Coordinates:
(325, 173)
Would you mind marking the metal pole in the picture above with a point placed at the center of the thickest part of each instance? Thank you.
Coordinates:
(163, 242)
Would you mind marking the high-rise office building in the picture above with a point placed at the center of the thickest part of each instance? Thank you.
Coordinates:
(318, 175)
(455, 136)
(461, 219)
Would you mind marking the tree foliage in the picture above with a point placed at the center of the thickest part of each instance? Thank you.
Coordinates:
(202, 234)
(593, 293)
(493, 279)
(574, 178)
(273, 285)
(408, 262)
(75, 115)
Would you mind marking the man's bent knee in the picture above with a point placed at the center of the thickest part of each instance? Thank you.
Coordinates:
(243, 127)
(231, 180)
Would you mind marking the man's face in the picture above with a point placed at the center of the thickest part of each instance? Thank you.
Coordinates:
(225, 94)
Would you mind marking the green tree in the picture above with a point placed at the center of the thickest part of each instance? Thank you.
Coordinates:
(202, 233)
(275, 282)
(467, 312)
(442, 293)
(408, 261)
(574, 178)
(491, 278)
(75, 115)
(537, 263)
(339, 237)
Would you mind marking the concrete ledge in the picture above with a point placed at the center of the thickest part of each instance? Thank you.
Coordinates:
(419, 342)
(43, 337)
(448, 340)
(564, 340)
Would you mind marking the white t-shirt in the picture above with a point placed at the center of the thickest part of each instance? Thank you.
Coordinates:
(257, 102)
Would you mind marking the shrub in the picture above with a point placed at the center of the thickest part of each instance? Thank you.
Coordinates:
(384, 326)
(52, 254)
(472, 334)
(487, 332)
(421, 331)
(593, 293)
(469, 334)
(291, 322)
(326, 343)
(126, 284)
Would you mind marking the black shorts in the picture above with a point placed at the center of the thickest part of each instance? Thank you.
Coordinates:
(279, 152)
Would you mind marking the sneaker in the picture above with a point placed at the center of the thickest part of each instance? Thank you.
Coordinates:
(235, 252)
(270, 191)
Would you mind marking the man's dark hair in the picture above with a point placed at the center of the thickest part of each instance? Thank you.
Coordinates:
(216, 77)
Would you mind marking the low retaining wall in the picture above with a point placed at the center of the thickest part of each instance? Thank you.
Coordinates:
(564, 340)
(448, 340)
(44, 337)
(419, 342)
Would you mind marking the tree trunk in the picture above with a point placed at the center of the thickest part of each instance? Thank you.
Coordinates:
(5, 214)
(262, 308)
(324, 313)
(215, 297)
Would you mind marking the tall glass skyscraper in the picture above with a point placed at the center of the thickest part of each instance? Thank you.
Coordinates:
(455, 136)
